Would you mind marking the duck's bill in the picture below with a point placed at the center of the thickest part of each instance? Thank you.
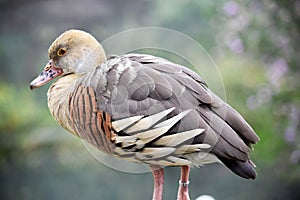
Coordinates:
(50, 72)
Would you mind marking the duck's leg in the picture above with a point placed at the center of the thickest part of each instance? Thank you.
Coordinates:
(183, 190)
(158, 176)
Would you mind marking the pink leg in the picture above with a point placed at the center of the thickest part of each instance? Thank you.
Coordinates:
(183, 190)
(158, 175)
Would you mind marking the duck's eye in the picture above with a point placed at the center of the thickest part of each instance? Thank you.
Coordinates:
(61, 51)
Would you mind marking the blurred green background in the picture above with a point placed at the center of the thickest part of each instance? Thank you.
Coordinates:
(255, 45)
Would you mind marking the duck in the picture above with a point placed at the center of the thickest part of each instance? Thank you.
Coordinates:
(143, 109)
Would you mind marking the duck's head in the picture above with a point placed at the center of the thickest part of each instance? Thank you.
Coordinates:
(74, 51)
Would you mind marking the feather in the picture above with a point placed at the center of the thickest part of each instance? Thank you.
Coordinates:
(178, 161)
(178, 138)
(124, 123)
(125, 140)
(243, 169)
(149, 121)
(153, 153)
(152, 134)
(187, 149)
(173, 120)
(159, 162)
(122, 152)
(225, 131)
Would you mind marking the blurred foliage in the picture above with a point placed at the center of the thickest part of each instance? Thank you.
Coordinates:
(250, 75)
(255, 45)
(17, 109)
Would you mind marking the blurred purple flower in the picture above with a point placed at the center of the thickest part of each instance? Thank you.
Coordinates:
(294, 115)
(263, 96)
(295, 157)
(276, 71)
(252, 103)
(236, 45)
(230, 8)
(290, 134)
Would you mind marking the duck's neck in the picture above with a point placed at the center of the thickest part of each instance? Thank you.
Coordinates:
(58, 98)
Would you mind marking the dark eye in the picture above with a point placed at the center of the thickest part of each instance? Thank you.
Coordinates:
(61, 51)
